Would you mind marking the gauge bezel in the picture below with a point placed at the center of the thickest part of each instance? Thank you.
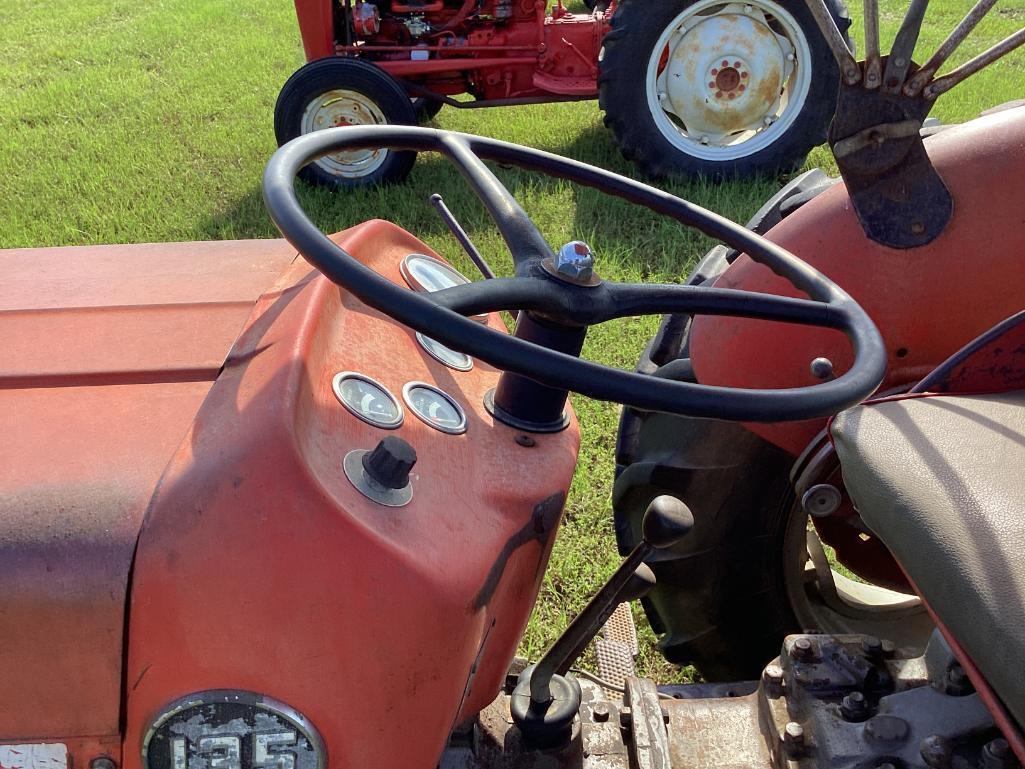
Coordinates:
(458, 430)
(416, 285)
(341, 376)
(448, 364)
(411, 280)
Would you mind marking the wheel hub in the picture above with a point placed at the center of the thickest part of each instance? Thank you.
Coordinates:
(345, 108)
(725, 74)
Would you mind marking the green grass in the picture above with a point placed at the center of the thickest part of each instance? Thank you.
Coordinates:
(150, 120)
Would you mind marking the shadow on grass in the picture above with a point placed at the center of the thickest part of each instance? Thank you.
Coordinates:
(641, 243)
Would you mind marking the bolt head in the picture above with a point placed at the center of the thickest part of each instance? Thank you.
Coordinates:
(601, 711)
(102, 763)
(935, 751)
(772, 681)
(821, 500)
(854, 707)
(802, 649)
(872, 645)
(575, 261)
(793, 732)
(822, 368)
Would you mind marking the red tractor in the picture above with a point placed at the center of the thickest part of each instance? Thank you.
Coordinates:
(688, 86)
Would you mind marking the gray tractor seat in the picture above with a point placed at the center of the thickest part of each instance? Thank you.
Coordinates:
(941, 480)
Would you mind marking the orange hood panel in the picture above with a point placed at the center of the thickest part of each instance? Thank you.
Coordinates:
(107, 354)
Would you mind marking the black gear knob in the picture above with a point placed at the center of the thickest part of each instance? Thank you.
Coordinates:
(666, 521)
(390, 462)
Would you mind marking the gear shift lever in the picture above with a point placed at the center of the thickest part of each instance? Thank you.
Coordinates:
(545, 700)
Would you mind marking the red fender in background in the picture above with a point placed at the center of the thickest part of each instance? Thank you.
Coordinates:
(928, 302)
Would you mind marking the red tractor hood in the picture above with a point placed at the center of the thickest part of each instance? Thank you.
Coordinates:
(107, 354)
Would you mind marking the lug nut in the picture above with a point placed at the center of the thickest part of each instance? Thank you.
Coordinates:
(854, 707)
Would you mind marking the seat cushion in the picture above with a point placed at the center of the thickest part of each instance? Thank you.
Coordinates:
(941, 480)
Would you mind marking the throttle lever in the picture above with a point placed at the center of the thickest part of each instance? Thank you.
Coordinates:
(460, 234)
(545, 700)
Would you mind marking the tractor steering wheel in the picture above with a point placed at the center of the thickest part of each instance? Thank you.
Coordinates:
(563, 307)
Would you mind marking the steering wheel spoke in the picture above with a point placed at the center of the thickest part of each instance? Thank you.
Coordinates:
(526, 243)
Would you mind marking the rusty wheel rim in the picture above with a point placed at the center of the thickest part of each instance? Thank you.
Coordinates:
(343, 107)
(726, 80)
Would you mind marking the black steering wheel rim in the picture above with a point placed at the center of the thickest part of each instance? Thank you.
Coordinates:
(441, 315)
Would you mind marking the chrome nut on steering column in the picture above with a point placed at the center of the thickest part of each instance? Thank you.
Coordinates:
(573, 264)
(575, 260)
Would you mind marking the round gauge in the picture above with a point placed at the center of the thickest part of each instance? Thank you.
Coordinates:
(425, 273)
(367, 399)
(460, 361)
(435, 407)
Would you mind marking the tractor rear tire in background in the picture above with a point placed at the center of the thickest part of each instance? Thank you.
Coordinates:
(339, 91)
(718, 89)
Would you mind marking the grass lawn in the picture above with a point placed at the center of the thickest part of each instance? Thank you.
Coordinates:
(150, 120)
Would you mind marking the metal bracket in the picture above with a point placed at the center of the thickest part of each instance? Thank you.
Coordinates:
(898, 196)
(650, 743)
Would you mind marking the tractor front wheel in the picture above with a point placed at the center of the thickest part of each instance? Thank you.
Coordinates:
(718, 89)
(339, 92)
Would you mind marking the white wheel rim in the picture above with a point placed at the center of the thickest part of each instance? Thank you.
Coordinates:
(340, 108)
(707, 110)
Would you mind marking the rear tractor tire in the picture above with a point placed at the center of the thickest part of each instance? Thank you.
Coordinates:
(339, 91)
(718, 89)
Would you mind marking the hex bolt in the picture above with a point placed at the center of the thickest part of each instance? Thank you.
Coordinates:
(997, 754)
(600, 712)
(793, 739)
(802, 650)
(772, 681)
(854, 707)
(102, 763)
(936, 751)
(956, 682)
(872, 646)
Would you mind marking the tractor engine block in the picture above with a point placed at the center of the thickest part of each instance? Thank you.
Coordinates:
(828, 702)
(495, 49)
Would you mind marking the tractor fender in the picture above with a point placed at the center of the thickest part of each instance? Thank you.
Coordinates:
(927, 301)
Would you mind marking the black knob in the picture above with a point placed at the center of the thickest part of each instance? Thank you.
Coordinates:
(666, 521)
(390, 462)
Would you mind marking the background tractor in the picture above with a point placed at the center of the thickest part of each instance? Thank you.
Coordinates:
(688, 87)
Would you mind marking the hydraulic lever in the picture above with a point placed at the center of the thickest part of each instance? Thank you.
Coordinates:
(545, 700)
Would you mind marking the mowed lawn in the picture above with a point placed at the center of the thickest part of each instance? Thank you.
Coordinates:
(150, 120)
